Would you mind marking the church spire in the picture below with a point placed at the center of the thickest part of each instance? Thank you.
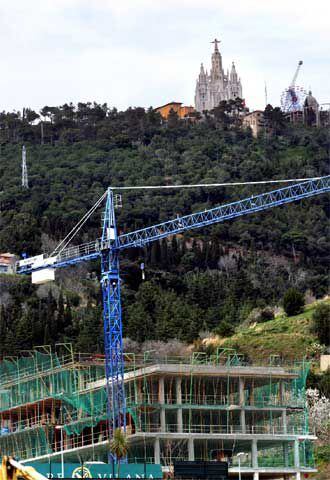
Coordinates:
(233, 74)
(202, 74)
(217, 73)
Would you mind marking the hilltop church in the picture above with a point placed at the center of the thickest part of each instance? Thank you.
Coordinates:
(212, 88)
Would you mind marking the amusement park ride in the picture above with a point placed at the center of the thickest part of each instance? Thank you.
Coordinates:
(108, 248)
(292, 98)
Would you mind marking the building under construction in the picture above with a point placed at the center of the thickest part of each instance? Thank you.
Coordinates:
(53, 403)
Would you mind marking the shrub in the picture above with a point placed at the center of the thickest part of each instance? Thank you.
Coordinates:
(266, 314)
(293, 302)
(258, 315)
(321, 323)
(224, 329)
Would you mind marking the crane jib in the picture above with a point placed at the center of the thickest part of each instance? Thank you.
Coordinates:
(278, 197)
(139, 238)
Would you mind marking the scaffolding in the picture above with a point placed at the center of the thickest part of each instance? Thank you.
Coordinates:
(205, 396)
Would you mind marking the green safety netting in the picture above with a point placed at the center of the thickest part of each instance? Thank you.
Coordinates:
(293, 391)
(44, 376)
(29, 443)
(44, 379)
(283, 456)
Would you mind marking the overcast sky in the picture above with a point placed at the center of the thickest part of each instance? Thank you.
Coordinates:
(148, 52)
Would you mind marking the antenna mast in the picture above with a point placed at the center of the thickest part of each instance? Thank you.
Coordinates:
(25, 180)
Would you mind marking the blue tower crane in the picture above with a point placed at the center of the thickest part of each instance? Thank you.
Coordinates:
(108, 248)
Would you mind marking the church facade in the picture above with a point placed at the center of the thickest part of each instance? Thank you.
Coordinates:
(216, 86)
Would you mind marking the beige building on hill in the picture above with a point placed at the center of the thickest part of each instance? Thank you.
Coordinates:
(254, 120)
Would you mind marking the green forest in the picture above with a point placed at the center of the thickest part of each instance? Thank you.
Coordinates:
(207, 280)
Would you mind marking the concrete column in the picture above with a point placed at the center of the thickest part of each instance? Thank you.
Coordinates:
(161, 390)
(296, 454)
(161, 399)
(242, 420)
(254, 453)
(255, 475)
(241, 391)
(241, 384)
(179, 402)
(286, 454)
(178, 390)
(162, 420)
(282, 392)
(191, 450)
(284, 422)
(157, 450)
(298, 476)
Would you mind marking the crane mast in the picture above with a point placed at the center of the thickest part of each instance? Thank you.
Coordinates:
(112, 320)
(108, 248)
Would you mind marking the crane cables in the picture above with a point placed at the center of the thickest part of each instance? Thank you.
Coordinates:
(64, 243)
(206, 185)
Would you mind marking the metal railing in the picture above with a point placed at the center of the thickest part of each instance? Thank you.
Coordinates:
(226, 429)
(92, 439)
(133, 361)
(34, 422)
(265, 429)
(214, 400)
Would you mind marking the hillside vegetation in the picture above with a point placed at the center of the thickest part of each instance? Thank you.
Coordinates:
(291, 338)
(206, 280)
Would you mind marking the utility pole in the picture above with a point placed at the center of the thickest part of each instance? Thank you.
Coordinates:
(25, 181)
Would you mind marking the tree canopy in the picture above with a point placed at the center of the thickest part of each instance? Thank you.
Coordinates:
(208, 279)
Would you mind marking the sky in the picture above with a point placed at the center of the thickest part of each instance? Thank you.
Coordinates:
(148, 52)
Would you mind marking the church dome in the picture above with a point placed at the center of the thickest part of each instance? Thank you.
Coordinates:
(311, 101)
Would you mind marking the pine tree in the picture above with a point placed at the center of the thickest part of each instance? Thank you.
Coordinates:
(88, 338)
(174, 249)
(51, 317)
(155, 253)
(24, 333)
(3, 328)
(67, 316)
(293, 302)
(164, 253)
(60, 313)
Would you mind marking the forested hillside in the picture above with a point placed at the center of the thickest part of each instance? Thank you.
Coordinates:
(207, 280)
